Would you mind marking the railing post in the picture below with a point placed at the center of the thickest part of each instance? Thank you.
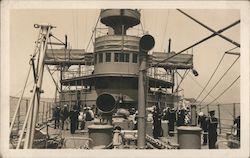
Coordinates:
(234, 112)
(43, 112)
(219, 118)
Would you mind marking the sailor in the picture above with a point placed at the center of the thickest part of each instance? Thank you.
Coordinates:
(157, 131)
(171, 121)
(56, 117)
(237, 126)
(64, 116)
(89, 114)
(181, 117)
(212, 130)
(73, 119)
(203, 122)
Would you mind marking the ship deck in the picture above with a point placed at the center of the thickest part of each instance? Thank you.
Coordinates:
(80, 136)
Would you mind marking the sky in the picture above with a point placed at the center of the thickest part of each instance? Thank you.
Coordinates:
(160, 23)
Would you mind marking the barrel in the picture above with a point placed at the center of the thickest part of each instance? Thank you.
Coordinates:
(189, 137)
(101, 135)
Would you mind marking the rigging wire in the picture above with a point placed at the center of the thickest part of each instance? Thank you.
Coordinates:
(197, 43)
(57, 87)
(220, 79)
(182, 78)
(92, 33)
(223, 91)
(211, 77)
(165, 30)
(214, 72)
(201, 86)
(74, 32)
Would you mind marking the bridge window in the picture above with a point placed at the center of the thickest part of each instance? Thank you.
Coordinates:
(121, 57)
(95, 58)
(135, 58)
(126, 57)
(108, 57)
(100, 57)
(116, 57)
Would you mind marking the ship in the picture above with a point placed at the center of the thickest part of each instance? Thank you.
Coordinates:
(122, 81)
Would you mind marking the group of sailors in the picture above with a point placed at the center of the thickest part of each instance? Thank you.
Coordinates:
(182, 117)
(75, 116)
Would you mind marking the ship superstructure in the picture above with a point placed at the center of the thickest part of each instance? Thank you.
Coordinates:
(112, 68)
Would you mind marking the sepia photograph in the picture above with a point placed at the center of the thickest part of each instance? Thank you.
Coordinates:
(135, 80)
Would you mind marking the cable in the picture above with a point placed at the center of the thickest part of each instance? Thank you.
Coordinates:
(92, 33)
(199, 42)
(211, 76)
(220, 79)
(201, 86)
(224, 90)
(165, 30)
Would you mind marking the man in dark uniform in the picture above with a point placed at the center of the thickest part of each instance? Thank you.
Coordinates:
(237, 124)
(157, 131)
(181, 117)
(64, 115)
(171, 121)
(57, 117)
(73, 119)
(212, 130)
(202, 120)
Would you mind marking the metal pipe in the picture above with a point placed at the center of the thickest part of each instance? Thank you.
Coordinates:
(26, 118)
(222, 36)
(146, 44)
(46, 32)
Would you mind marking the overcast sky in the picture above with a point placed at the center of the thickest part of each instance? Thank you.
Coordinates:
(162, 24)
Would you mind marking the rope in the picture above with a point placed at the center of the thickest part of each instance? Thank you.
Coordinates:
(92, 33)
(199, 42)
(182, 78)
(165, 30)
(226, 89)
(220, 79)
(201, 86)
(211, 76)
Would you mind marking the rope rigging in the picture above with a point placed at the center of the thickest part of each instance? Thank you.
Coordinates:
(201, 87)
(223, 91)
(220, 79)
(165, 30)
(93, 31)
(211, 76)
(197, 43)
(214, 73)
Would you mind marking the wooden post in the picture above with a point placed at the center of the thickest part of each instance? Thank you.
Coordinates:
(219, 118)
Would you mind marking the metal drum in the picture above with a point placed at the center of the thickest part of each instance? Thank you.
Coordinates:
(101, 135)
(189, 137)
